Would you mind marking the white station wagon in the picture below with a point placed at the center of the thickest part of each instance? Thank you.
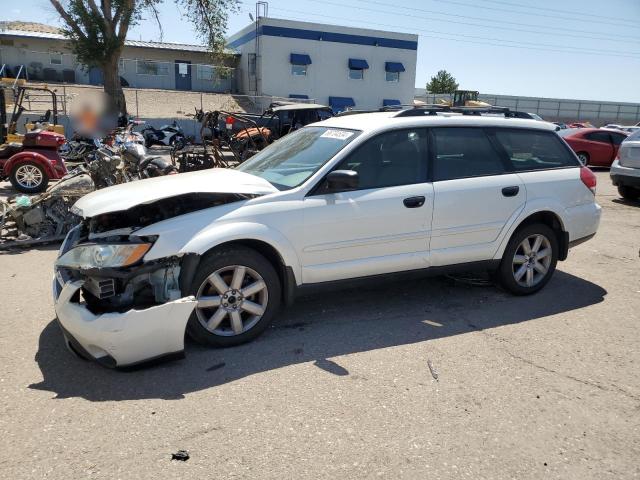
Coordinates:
(215, 253)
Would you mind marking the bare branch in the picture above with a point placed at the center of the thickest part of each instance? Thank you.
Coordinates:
(68, 19)
(156, 14)
(100, 14)
(127, 13)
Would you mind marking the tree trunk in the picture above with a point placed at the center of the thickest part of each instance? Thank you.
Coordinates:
(115, 96)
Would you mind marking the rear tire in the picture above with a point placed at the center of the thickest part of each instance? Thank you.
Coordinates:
(584, 158)
(29, 177)
(628, 193)
(238, 293)
(529, 260)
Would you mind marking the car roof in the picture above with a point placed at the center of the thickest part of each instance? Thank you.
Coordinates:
(369, 122)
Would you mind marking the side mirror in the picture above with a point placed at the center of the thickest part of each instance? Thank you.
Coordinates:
(342, 180)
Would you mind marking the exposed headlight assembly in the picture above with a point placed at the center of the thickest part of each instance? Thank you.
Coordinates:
(98, 255)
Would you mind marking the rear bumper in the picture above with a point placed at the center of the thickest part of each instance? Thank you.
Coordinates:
(122, 339)
(624, 176)
(582, 221)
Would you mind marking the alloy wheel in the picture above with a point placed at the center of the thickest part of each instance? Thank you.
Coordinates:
(231, 300)
(28, 176)
(532, 260)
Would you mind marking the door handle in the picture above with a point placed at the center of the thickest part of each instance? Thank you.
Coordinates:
(510, 191)
(414, 202)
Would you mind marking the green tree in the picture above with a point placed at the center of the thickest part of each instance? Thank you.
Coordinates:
(97, 32)
(442, 82)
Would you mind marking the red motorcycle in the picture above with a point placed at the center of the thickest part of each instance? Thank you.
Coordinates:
(29, 166)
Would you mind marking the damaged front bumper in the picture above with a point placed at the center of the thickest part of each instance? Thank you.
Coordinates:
(121, 339)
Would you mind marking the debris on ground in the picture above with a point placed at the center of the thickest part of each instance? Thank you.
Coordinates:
(432, 369)
(181, 455)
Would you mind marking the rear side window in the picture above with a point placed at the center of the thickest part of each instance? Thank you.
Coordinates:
(617, 138)
(598, 137)
(534, 150)
(463, 153)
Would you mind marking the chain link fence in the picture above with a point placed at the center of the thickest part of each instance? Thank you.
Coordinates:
(560, 110)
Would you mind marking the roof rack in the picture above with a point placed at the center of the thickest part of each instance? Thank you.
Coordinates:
(411, 110)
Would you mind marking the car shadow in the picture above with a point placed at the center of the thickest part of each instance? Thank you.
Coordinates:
(317, 329)
(629, 203)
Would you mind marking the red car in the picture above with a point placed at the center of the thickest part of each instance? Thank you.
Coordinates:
(30, 165)
(595, 147)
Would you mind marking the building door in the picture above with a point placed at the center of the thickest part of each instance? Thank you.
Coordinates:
(183, 75)
(95, 76)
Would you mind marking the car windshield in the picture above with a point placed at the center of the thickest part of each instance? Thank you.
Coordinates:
(290, 161)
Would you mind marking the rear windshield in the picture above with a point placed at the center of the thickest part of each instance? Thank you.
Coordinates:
(634, 137)
(567, 132)
(535, 150)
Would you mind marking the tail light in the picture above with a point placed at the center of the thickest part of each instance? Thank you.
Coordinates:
(588, 178)
(229, 122)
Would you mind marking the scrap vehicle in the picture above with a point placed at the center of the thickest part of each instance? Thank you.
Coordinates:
(464, 98)
(31, 159)
(45, 218)
(242, 135)
(25, 94)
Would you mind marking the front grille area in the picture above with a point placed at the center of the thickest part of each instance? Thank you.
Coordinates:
(100, 287)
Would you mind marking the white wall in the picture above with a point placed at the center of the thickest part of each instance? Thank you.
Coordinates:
(328, 73)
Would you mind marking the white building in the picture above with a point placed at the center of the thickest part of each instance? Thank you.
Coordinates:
(337, 66)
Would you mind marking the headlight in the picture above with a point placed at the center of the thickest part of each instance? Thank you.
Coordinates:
(103, 255)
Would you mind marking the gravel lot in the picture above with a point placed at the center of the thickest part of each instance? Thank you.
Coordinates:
(430, 379)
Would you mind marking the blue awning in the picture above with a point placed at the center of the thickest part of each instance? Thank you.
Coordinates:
(338, 104)
(394, 67)
(300, 59)
(387, 102)
(358, 64)
(298, 95)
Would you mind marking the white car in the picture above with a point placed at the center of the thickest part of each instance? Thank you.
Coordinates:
(625, 169)
(217, 252)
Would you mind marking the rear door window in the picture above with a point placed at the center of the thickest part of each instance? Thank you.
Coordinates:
(464, 153)
(534, 150)
(602, 137)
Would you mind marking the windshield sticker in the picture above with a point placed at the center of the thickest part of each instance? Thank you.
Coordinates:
(337, 134)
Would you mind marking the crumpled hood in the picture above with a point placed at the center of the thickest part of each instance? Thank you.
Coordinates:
(127, 195)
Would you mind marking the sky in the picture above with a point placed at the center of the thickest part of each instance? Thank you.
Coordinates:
(583, 49)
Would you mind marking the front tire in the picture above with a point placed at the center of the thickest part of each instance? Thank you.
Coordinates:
(529, 260)
(29, 177)
(628, 193)
(238, 293)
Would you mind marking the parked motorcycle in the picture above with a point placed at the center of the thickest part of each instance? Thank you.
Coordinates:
(167, 135)
(78, 148)
(137, 164)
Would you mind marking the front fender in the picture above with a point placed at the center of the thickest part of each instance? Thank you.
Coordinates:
(21, 157)
(224, 232)
(530, 208)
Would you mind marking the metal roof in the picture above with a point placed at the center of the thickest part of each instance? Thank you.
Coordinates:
(185, 47)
